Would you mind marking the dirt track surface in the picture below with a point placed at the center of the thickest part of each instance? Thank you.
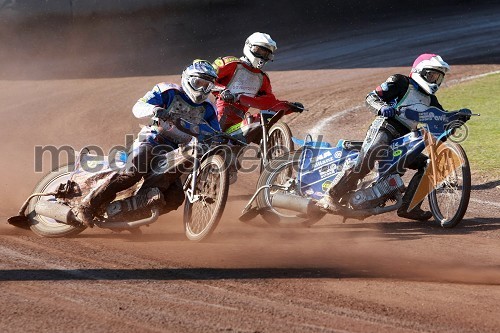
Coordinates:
(378, 275)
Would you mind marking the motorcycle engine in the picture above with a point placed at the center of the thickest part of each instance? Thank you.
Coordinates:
(377, 193)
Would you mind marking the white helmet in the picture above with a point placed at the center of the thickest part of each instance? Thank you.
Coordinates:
(428, 71)
(259, 48)
(198, 80)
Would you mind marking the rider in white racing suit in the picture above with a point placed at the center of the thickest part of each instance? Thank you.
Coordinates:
(164, 104)
(396, 93)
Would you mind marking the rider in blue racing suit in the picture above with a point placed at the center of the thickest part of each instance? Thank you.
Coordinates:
(164, 104)
(396, 93)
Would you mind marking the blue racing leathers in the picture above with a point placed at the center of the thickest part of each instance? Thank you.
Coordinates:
(159, 134)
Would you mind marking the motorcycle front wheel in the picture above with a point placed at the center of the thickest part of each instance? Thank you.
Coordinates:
(202, 216)
(449, 200)
(279, 142)
(44, 226)
(278, 173)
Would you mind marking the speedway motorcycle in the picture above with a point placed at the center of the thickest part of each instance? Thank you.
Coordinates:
(48, 210)
(266, 130)
(289, 188)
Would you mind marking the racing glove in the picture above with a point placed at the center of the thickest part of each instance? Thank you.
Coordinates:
(465, 115)
(387, 111)
(227, 96)
(161, 113)
(296, 107)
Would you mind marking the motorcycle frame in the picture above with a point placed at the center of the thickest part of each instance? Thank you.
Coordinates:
(266, 123)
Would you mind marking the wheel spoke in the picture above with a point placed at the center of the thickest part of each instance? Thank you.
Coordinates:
(449, 200)
(203, 209)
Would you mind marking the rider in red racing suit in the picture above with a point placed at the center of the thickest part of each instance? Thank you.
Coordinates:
(246, 85)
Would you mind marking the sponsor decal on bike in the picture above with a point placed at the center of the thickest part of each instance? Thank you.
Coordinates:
(322, 159)
(429, 116)
(397, 153)
(328, 170)
(326, 185)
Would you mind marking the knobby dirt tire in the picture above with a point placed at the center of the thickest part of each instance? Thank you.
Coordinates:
(279, 142)
(451, 187)
(202, 217)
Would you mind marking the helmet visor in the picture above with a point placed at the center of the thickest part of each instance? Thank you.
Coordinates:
(200, 84)
(432, 76)
(261, 52)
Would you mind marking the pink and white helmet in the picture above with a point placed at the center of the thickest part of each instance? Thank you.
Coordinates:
(428, 71)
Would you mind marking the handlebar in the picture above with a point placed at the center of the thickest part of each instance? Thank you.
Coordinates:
(218, 88)
(179, 125)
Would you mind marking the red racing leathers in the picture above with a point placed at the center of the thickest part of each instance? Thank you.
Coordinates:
(250, 84)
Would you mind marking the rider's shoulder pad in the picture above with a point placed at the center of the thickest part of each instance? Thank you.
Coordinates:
(164, 86)
(225, 60)
(222, 61)
(396, 78)
(399, 80)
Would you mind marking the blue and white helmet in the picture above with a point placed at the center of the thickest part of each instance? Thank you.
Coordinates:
(198, 80)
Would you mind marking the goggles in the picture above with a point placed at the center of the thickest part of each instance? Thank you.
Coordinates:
(261, 52)
(432, 76)
(200, 84)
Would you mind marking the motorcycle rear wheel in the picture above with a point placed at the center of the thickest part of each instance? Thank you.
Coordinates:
(212, 185)
(278, 172)
(44, 226)
(449, 201)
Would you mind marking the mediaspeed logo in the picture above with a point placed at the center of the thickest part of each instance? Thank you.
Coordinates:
(444, 159)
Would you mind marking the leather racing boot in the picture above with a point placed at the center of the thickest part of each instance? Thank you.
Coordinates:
(416, 213)
(327, 204)
(330, 200)
(85, 215)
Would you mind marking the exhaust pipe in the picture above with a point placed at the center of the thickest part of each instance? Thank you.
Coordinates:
(293, 202)
(64, 214)
(54, 210)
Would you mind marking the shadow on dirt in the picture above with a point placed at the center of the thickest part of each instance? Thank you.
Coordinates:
(413, 230)
(174, 274)
(214, 274)
(486, 186)
(422, 229)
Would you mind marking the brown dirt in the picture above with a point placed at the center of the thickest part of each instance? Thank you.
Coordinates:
(378, 275)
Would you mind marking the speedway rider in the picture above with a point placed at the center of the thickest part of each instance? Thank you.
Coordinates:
(164, 104)
(246, 85)
(416, 92)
